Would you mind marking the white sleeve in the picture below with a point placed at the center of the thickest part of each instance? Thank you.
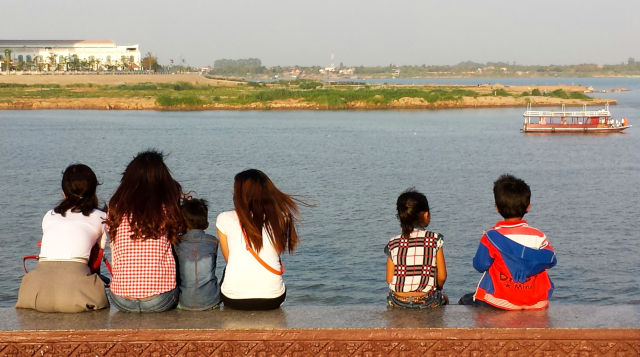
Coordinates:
(223, 220)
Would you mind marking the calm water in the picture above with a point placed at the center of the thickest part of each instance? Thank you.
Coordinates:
(352, 166)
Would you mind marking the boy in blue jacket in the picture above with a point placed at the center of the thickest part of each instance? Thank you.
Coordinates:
(512, 255)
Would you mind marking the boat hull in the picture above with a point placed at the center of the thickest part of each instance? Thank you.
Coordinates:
(568, 128)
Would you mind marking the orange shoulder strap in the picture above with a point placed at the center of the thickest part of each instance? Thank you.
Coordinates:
(255, 255)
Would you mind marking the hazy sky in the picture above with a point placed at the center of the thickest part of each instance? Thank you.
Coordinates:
(357, 32)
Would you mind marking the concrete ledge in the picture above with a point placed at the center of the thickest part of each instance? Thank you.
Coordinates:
(314, 330)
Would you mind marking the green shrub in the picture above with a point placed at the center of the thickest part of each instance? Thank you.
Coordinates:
(12, 85)
(255, 84)
(183, 86)
(501, 92)
(190, 100)
(138, 86)
(559, 93)
(308, 84)
(578, 95)
(536, 92)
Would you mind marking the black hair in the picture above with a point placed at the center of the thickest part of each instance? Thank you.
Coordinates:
(79, 184)
(512, 196)
(195, 212)
(411, 206)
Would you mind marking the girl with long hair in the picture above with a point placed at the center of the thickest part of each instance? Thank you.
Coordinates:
(252, 237)
(62, 281)
(144, 220)
(416, 270)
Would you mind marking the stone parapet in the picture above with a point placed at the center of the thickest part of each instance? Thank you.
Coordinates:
(327, 331)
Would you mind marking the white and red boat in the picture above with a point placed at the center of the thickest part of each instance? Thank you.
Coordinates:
(581, 121)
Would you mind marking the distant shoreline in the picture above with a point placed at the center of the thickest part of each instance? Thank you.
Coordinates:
(189, 92)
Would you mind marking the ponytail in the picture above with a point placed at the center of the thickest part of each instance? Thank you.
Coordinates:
(79, 184)
(411, 205)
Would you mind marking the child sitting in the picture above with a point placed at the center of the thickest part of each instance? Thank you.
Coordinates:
(512, 255)
(416, 270)
(197, 253)
(144, 222)
(62, 281)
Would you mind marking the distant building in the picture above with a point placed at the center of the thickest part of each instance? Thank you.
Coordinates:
(64, 55)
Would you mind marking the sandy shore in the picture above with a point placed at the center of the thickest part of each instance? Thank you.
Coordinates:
(149, 103)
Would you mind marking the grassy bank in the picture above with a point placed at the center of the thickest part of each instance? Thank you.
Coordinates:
(300, 94)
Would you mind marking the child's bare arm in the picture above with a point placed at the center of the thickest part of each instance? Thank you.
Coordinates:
(390, 268)
(224, 247)
(441, 268)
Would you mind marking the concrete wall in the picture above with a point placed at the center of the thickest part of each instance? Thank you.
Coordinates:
(327, 331)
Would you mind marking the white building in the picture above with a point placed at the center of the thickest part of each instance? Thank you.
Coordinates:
(63, 55)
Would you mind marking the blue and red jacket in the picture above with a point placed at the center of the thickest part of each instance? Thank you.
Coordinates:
(515, 276)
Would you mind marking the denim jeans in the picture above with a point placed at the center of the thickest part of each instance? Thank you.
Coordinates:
(436, 299)
(196, 259)
(162, 302)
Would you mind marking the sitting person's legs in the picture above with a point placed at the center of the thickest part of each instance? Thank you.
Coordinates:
(467, 299)
(254, 304)
(158, 303)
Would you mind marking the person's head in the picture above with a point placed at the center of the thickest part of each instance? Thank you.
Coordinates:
(79, 184)
(512, 196)
(149, 196)
(259, 204)
(413, 210)
(195, 212)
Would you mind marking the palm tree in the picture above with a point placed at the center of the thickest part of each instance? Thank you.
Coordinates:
(7, 59)
(64, 62)
(52, 62)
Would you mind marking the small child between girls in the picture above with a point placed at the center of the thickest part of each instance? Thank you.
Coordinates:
(416, 270)
(197, 253)
(62, 281)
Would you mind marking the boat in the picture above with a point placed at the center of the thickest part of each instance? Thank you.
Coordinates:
(581, 121)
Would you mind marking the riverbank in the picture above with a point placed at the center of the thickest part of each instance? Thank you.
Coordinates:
(196, 92)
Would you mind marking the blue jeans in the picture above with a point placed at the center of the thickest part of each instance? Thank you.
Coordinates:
(436, 299)
(162, 302)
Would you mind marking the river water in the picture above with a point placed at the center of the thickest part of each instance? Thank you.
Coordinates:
(352, 165)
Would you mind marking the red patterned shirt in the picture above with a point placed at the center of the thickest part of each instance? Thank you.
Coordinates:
(414, 261)
(141, 268)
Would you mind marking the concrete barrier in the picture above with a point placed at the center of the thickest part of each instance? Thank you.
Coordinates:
(562, 330)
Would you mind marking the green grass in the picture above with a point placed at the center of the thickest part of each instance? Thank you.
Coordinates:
(188, 100)
(185, 94)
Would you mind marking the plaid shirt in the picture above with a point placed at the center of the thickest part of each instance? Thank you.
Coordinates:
(414, 260)
(141, 268)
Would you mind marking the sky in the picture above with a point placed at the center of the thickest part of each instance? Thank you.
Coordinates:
(355, 32)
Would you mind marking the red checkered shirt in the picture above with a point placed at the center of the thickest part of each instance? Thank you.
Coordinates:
(414, 260)
(141, 268)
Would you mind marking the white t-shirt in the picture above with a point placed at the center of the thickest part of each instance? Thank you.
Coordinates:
(245, 277)
(72, 236)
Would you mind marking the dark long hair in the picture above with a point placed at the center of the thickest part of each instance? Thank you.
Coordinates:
(411, 205)
(149, 197)
(79, 184)
(259, 204)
